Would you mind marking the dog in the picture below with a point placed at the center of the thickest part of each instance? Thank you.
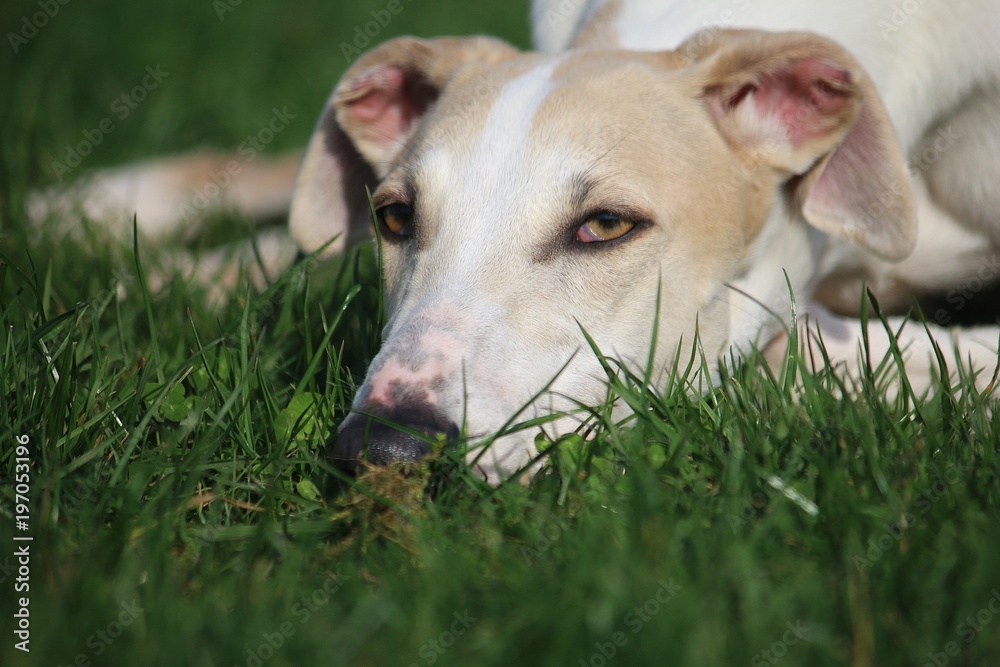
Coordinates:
(659, 179)
(677, 162)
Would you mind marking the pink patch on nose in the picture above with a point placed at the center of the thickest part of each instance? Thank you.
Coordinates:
(395, 383)
(423, 358)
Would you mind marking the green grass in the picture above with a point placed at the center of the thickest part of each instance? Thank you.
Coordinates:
(182, 515)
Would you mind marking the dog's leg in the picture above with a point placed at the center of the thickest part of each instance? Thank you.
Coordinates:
(260, 260)
(961, 162)
(169, 196)
(971, 349)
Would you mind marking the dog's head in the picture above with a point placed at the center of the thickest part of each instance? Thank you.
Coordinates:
(525, 199)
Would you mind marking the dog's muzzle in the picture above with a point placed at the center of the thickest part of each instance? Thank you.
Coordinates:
(397, 436)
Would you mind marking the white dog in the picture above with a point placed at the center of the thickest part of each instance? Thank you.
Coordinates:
(664, 161)
(654, 155)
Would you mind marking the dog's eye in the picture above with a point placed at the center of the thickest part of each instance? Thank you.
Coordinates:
(396, 219)
(603, 227)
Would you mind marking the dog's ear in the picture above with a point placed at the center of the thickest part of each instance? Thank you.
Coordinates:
(368, 120)
(801, 104)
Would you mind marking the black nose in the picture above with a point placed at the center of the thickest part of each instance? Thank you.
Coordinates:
(389, 436)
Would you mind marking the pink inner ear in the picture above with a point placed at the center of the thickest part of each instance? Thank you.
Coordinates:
(853, 166)
(803, 96)
(373, 93)
(384, 104)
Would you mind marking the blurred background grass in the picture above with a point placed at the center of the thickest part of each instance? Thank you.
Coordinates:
(228, 65)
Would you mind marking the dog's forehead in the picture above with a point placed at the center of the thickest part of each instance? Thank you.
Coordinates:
(542, 97)
(541, 123)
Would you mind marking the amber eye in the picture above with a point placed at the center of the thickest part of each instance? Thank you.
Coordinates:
(396, 219)
(603, 227)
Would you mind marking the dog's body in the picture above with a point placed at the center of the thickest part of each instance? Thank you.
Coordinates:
(653, 170)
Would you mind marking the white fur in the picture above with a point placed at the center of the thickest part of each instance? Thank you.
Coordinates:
(485, 312)
(930, 47)
(938, 40)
